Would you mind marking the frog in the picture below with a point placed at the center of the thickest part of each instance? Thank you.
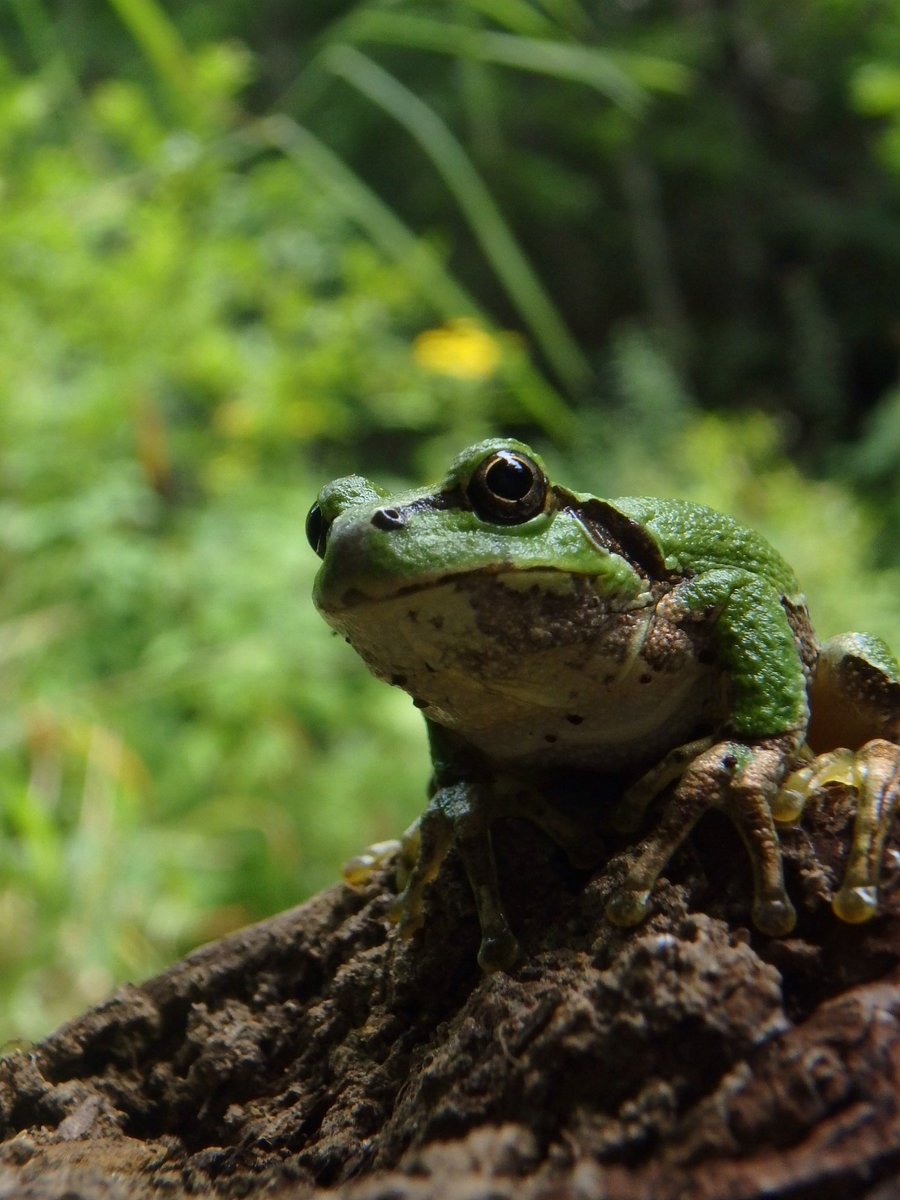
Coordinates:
(541, 631)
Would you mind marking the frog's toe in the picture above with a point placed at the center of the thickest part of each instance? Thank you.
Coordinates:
(855, 904)
(835, 766)
(775, 917)
(498, 952)
(360, 869)
(628, 906)
(628, 815)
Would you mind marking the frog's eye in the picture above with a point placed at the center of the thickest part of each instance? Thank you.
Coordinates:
(317, 530)
(507, 488)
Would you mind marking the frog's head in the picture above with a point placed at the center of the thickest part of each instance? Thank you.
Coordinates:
(491, 565)
(495, 512)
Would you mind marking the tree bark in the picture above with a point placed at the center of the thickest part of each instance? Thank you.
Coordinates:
(318, 1054)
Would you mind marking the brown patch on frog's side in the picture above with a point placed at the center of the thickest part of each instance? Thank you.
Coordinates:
(669, 644)
(807, 644)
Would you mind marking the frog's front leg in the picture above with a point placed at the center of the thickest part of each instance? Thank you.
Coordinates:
(460, 814)
(740, 779)
(630, 810)
(765, 715)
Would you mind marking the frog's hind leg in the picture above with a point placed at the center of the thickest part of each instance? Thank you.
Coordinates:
(581, 841)
(739, 779)
(873, 771)
(854, 694)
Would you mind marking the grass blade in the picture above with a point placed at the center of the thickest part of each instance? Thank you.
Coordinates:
(485, 219)
(519, 16)
(368, 210)
(536, 397)
(161, 44)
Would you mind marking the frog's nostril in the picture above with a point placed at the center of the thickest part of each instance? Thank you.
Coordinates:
(387, 519)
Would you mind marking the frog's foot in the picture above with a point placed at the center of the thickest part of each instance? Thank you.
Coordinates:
(873, 772)
(405, 850)
(739, 779)
(459, 815)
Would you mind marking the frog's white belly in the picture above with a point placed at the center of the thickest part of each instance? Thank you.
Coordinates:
(539, 669)
(591, 726)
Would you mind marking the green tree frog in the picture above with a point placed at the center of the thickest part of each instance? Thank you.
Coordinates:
(540, 630)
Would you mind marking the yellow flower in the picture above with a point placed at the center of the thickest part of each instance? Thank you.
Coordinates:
(460, 348)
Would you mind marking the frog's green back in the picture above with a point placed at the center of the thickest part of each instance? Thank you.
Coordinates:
(694, 538)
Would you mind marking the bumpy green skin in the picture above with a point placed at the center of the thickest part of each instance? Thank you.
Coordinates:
(734, 569)
(550, 630)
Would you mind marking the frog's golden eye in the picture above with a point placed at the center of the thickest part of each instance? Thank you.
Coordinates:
(317, 530)
(507, 488)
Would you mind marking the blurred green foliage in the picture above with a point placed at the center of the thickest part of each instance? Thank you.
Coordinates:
(248, 247)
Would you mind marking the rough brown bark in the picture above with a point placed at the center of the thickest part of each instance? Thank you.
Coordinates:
(316, 1053)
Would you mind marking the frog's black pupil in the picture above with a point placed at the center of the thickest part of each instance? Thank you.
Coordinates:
(509, 478)
(315, 530)
(507, 489)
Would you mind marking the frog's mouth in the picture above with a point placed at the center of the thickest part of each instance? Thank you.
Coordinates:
(511, 578)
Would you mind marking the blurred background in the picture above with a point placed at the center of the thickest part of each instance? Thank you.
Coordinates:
(246, 247)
